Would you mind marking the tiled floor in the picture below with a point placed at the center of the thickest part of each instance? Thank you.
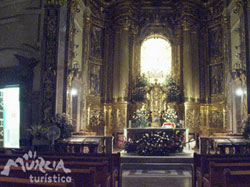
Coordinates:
(156, 178)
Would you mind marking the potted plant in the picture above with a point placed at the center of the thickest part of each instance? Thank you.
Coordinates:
(64, 122)
(39, 138)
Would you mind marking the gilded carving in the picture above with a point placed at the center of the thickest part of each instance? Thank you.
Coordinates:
(50, 63)
(215, 118)
(56, 2)
(95, 79)
(97, 122)
(189, 118)
(215, 42)
(216, 77)
(97, 42)
(192, 118)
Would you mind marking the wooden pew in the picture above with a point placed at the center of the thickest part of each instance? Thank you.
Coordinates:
(103, 177)
(80, 177)
(21, 182)
(201, 164)
(216, 172)
(112, 159)
(237, 178)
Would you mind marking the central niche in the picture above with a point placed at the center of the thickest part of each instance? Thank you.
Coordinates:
(156, 59)
(156, 68)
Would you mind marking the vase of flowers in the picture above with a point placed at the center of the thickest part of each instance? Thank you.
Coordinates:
(169, 116)
(141, 118)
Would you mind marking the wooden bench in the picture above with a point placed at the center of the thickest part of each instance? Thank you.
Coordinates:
(201, 164)
(112, 159)
(21, 182)
(103, 176)
(80, 177)
(216, 172)
(237, 178)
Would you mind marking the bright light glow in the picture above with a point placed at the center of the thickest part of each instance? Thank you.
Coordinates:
(73, 91)
(156, 59)
(11, 118)
(239, 92)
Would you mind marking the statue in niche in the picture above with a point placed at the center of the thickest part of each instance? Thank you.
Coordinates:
(94, 80)
(156, 103)
(215, 45)
(216, 79)
(96, 42)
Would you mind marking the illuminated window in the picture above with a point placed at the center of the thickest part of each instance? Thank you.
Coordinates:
(156, 59)
(9, 117)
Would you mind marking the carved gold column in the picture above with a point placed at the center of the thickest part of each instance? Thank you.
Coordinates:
(195, 64)
(124, 60)
(121, 74)
(191, 69)
(187, 62)
(85, 65)
(116, 66)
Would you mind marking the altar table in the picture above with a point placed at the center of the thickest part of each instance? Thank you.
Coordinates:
(155, 141)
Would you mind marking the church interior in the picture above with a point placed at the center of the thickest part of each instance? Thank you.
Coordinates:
(127, 93)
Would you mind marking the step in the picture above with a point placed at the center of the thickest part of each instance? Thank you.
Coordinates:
(157, 166)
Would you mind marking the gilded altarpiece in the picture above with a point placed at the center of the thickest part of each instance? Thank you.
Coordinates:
(97, 119)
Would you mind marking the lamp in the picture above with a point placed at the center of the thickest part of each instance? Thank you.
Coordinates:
(73, 92)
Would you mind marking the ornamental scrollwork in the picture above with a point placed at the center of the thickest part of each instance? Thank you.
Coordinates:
(215, 118)
(192, 118)
(50, 64)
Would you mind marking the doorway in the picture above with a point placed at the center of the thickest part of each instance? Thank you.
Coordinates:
(9, 117)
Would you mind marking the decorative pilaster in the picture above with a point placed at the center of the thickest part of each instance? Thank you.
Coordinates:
(49, 68)
(187, 62)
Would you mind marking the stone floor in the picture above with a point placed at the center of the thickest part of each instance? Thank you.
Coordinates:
(156, 178)
(157, 171)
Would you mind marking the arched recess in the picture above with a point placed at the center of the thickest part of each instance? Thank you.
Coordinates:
(156, 58)
(167, 33)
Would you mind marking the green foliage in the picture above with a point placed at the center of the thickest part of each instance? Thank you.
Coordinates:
(38, 132)
(169, 115)
(140, 90)
(158, 143)
(173, 91)
(64, 123)
(141, 118)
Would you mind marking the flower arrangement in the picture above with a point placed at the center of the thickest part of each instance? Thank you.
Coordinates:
(156, 143)
(141, 118)
(65, 123)
(173, 90)
(140, 90)
(169, 116)
(38, 132)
